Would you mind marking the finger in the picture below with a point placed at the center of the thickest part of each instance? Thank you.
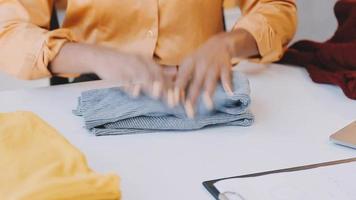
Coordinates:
(169, 91)
(151, 85)
(189, 110)
(178, 95)
(128, 86)
(156, 73)
(184, 76)
(156, 81)
(136, 90)
(196, 84)
(159, 82)
(132, 90)
(211, 81)
(140, 77)
(226, 78)
(170, 98)
(156, 89)
(169, 73)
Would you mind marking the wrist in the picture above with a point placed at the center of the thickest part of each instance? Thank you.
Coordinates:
(99, 58)
(73, 58)
(240, 43)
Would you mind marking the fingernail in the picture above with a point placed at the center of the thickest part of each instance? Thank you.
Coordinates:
(170, 98)
(208, 101)
(228, 89)
(176, 96)
(156, 89)
(136, 90)
(189, 109)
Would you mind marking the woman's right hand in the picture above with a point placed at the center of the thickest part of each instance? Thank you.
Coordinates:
(141, 74)
(137, 73)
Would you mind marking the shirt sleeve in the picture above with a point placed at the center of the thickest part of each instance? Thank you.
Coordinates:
(271, 22)
(26, 45)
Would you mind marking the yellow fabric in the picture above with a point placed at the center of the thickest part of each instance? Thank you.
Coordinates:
(230, 3)
(165, 29)
(36, 163)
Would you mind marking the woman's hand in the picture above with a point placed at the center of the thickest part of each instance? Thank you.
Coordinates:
(140, 73)
(211, 63)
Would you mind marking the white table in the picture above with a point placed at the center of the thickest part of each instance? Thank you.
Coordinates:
(294, 118)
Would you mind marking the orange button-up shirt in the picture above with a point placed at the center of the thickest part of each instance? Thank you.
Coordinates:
(165, 29)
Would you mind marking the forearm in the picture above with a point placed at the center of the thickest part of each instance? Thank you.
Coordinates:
(108, 64)
(77, 58)
(73, 58)
(240, 44)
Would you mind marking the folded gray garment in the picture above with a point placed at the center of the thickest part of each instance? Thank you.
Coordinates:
(113, 112)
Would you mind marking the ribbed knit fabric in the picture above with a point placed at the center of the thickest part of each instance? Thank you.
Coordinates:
(112, 112)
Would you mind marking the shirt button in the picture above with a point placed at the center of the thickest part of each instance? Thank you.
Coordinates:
(150, 33)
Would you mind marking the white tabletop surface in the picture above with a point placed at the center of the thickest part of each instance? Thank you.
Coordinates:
(294, 118)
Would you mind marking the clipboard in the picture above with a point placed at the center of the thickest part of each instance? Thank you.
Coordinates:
(209, 185)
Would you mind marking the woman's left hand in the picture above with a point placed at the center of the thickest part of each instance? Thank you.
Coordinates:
(209, 64)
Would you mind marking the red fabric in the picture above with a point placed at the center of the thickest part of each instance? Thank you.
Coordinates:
(334, 61)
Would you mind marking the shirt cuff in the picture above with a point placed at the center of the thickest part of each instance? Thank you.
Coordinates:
(38, 49)
(52, 43)
(268, 42)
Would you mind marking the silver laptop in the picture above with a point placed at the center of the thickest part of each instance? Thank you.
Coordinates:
(345, 136)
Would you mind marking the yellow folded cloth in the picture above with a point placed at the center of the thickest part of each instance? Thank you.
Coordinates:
(38, 163)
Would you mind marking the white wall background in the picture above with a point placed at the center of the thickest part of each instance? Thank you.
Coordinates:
(316, 22)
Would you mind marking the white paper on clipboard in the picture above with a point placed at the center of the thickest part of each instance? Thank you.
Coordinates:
(327, 183)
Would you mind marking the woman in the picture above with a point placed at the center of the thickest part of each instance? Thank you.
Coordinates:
(133, 41)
